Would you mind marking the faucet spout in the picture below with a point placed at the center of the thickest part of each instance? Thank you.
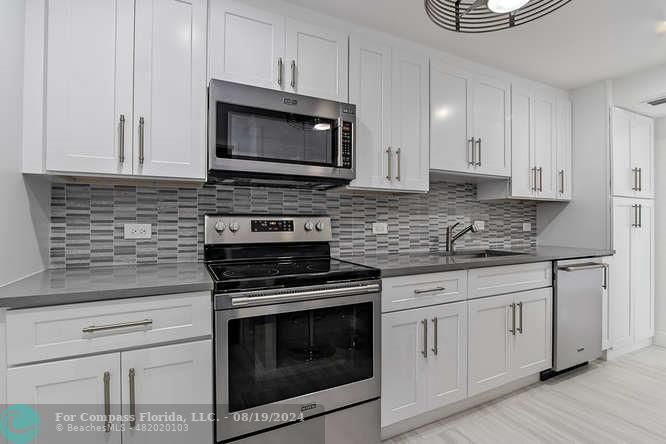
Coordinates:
(452, 238)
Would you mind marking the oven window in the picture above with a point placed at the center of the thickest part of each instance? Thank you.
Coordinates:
(276, 357)
(271, 136)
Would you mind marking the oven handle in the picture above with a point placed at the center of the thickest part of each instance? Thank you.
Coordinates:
(313, 294)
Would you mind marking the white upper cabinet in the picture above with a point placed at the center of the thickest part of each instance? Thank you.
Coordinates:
(390, 89)
(235, 27)
(89, 86)
(170, 89)
(633, 154)
(545, 143)
(468, 122)
(138, 53)
(317, 61)
(522, 156)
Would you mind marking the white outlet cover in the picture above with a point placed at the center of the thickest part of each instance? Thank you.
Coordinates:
(527, 227)
(480, 224)
(138, 231)
(380, 228)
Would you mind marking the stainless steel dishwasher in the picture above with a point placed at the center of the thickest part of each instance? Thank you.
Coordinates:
(577, 313)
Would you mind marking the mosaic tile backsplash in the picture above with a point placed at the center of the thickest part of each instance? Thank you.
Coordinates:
(87, 220)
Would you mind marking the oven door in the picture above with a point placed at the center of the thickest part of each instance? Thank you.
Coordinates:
(260, 132)
(282, 363)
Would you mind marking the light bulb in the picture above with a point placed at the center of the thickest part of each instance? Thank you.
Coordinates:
(505, 6)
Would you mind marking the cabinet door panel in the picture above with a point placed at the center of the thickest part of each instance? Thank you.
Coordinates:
(489, 350)
(532, 344)
(403, 385)
(522, 156)
(235, 27)
(544, 145)
(642, 153)
(446, 370)
(179, 376)
(89, 85)
(642, 272)
(369, 89)
(321, 61)
(564, 147)
(623, 177)
(410, 135)
(620, 322)
(490, 111)
(75, 383)
(170, 89)
(450, 149)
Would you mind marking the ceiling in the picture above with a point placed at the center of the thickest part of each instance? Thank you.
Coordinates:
(586, 41)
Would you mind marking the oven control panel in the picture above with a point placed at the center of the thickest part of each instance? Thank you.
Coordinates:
(244, 229)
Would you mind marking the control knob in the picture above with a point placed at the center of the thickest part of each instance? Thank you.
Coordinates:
(220, 226)
(320, 226)
(234, 227)
(308, 226)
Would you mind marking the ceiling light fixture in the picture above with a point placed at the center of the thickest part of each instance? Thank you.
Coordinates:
(476, 16)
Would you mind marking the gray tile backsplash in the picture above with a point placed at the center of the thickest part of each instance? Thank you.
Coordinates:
(87, 220)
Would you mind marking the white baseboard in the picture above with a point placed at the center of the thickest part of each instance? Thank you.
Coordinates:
(660, 338)
(638, 345)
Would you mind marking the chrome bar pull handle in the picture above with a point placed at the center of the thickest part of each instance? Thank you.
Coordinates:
(605, 284)
(471, 160)
(520, 312)
(424, 352)
(634, 172)
(398, 157)
(512, 330)
(388, 163)
(640, 216)
(541, 179)
(132, 397)
(429, 290)
(293, 73)
(435, 347)
(121, 142)
(635, 208)
(142, 123)
(107, 402)
(478, 144)
(640, 179)
(534, 179)
(99, 328)
(280, 64)
(562, 181)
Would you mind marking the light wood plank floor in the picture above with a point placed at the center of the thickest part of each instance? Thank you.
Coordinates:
(622, 401)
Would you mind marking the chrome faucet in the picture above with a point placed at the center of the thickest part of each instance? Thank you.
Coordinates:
(452, 238)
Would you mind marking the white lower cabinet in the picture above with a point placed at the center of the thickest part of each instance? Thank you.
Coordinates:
(509, 338)
(424, 360)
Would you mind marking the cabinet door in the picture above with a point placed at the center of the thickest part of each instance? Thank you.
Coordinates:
(404, 357)
(564, 147)
(522, 143)
(170, 89)
(446, 369)
(89, 86)
(642, 154)
(532, 343)
(489, 352)
(410, 129)
(624, 179)
(317, 61)
(369, 90)
(179, 376)
(235, 27)
(74, 382)
(642, 271)
(545, 130)
(450, 147)
(620, 322)
(490, 109)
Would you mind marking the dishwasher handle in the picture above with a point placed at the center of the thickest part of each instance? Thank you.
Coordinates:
(581, 267)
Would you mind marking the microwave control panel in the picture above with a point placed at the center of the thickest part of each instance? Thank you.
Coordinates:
(346, 145)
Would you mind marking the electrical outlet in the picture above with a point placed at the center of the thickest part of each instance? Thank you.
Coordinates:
(380, 228)
(527, 227)
(138, 231)
(480, 224)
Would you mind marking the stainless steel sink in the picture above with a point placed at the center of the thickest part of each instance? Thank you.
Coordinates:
(480, 254)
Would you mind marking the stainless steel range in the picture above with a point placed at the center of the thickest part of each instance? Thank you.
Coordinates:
(297, 333)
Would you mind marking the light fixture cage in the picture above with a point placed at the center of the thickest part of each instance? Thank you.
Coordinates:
(452, 15)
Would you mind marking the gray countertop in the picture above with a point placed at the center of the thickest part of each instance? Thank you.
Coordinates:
(67, 286)
(401, 264)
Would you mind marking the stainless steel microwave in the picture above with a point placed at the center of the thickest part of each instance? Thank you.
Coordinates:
(259, 136)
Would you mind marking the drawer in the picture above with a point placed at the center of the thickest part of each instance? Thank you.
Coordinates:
(40, 334)
(501, 280)
(405, 292)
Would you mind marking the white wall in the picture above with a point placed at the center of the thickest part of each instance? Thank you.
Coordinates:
(24, 202)
(660, 234)
(631, 91)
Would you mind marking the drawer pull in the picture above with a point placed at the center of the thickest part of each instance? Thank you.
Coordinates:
(429, 290)
(132, 389)
(98, 328)
(107, 402)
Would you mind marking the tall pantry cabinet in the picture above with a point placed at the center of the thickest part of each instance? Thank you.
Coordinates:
(631, 289)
